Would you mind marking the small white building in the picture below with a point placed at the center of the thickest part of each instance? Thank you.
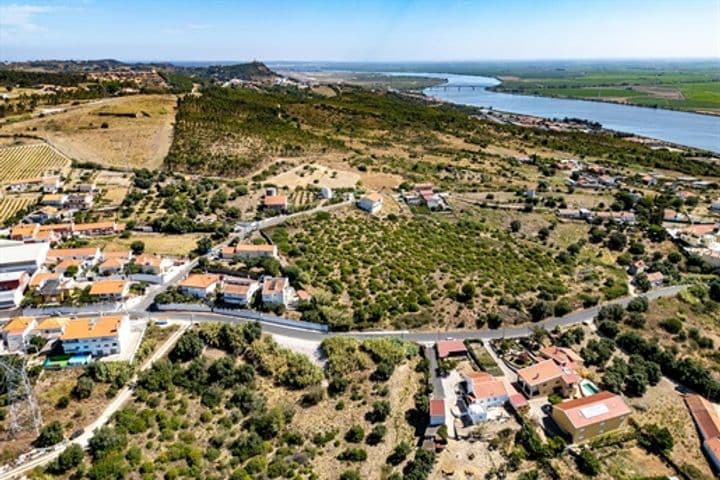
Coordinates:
(276, 291)
(51, 184)
(326, 193)
(372, 202)
(22, 257)
(12, 286)
(239, 291)
(17, 333)
(250, 251)
(483, 391)
(199, 285)
(97, 336)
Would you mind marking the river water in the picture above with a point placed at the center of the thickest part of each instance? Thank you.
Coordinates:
(690, 129)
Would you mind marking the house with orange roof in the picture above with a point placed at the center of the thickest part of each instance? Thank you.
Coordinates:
(17, 332)
(483, 391)
(25, 184)
(24, 232)
(51, 184)
(563, 356)
(110, 289)
(437, 411)
(199, 285)
(39, 279)
(152, 264)
(585, 418)
(275, 202)
(111, 266)
(707, 422)
(63, 230)
(67, 264)
(89, 255)
(276, 291)
(547, 377)
(51, 327)
(122, 255)
(58, 200)
(239, 291)
(96, 336)
(371, 202)
(250, 251)
(97, 228)
(450, 348)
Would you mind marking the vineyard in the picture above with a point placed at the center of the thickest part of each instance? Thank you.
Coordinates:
(10, 205)
(29, 161)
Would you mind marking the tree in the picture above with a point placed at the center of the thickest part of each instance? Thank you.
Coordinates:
(50, 434)
(617, 241)
(638, 304)
(421, 466)
(83, 388)
(587, 462)
(515, 226)
(188, 347)
(399, 453)
(715, 290)
(70, 458)
(350, 475)
(656, 439)
(376, 435)
(137, 247)
(204, 245)
(380, 411)
(106, 441)
(642, 282)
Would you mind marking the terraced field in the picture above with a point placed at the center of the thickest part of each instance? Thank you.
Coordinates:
(10, 205)
(28, 161)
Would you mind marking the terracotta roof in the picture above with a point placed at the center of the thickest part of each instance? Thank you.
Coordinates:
(24, 230)
(250, 248)
(655, 276)
(67, 263)
(107, 287)
(41, 277)
(702, 229)
(151, 260)
(274, 285)
(275, 201)
(561, 355)
(540, 373)
(518, 401)
(121, 255)
(713, 445)
(228, 250)
(303, 295)
(236, 288)
(72, 252)
(197, 280)
(52, 323)
(17, 324)
(81, 227)
(82, 328)
(27, 180)
(437, 407)
(373, 197)
(705, 416)
(54, 197)
(593, 409)
(57, 227)
(486, 386)
(111, 263)
(446, 347)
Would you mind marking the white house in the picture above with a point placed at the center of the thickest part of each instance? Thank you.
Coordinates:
(51, 327)
(199, 285)
(326, 192)
(250, 251)
(483, 391)
(276, 291)
(17, 332)
(96, 336)
(51, 184)
(12, 286)
(113, 290)
(239, 291)
(372, 202)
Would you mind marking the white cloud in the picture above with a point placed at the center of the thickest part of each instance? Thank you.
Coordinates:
(21, 17)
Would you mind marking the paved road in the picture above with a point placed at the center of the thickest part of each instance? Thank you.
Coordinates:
(574, 318)
(123, 396)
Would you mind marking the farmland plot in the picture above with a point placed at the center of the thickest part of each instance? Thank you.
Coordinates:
(29, 161)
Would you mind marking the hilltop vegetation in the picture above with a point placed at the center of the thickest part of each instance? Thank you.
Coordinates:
(230, 131)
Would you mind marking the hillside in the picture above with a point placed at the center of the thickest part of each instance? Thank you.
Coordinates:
(235, 131)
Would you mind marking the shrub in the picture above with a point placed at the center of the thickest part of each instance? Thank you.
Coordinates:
(106, 441)
(587, 462)
(188, 347)
(83, 388)
(376, 435)
(50, 434)
(671, 325)
(355, 434)
(350, 475)
(656, 439)
(380, 411)
(353, 455)
(399, 453)
(70, 458)
(638, 304)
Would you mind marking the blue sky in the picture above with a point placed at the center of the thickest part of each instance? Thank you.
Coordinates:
(390, 30)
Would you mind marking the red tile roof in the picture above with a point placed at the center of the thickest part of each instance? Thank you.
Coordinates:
(705, 416)
(447, 347)
(437, 407)
(594, 409)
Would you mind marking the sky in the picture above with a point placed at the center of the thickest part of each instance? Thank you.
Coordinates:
(362, 30)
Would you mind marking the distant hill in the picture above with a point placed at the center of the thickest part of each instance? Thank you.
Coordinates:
(253, 71)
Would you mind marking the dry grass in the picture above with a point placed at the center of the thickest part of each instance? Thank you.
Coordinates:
(127, 142)
(30, 161)
(157, 243)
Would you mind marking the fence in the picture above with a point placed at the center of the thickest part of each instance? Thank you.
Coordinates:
(267, 318)
(60, 310)
(190, 307)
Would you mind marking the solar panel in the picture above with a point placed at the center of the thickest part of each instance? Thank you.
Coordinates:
(594, 410)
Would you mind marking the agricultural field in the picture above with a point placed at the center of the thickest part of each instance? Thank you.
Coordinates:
(30, 161)
(126, 132)
(10, 205)
(441, 270)
(156, 243)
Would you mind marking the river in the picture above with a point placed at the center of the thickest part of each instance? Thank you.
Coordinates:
(690, 129)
